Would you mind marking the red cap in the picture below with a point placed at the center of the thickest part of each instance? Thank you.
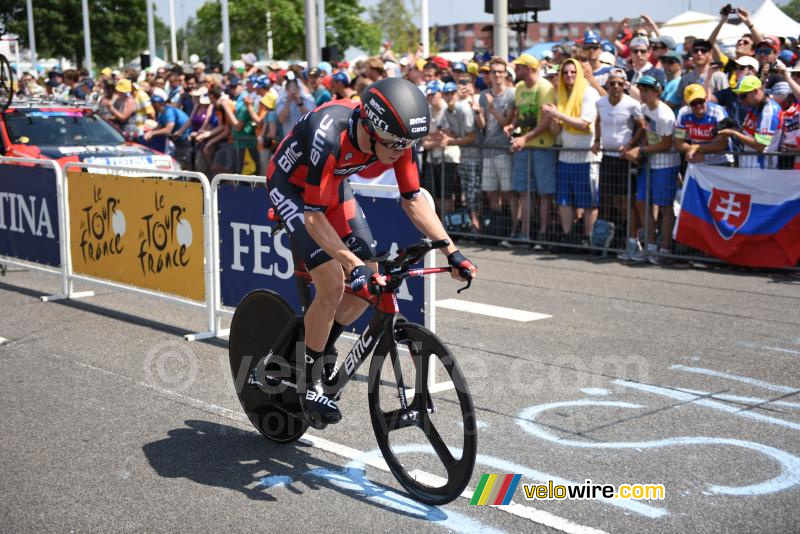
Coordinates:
(441, 62)
(772, 42)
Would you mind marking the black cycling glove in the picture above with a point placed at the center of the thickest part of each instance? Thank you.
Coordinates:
(457, 261)
(359, 277)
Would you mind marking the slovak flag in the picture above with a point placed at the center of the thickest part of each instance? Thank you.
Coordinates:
(746, 217)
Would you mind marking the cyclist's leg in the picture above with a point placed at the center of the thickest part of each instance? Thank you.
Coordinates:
(351, 225)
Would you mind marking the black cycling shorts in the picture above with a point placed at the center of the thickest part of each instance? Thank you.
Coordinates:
(346, 217)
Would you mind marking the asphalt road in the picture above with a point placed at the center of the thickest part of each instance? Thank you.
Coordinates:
(686, 377)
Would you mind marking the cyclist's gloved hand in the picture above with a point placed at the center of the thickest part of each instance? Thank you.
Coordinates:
(466, 269)
(359, 277)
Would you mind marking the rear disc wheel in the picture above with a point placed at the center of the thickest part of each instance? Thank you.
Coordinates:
(272, 405)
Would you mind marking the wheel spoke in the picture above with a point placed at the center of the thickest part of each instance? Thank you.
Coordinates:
(394, 420)
(438, 443)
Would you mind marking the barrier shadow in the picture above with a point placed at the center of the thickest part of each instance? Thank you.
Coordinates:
(223, 456)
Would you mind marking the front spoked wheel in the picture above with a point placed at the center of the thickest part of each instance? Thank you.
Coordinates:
(423, 416)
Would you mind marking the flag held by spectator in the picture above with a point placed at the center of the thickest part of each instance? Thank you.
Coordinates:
(747, 217)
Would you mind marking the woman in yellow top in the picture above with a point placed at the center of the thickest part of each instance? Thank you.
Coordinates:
(574, 118)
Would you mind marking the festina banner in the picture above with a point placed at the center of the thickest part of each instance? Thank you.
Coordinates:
(746, 217)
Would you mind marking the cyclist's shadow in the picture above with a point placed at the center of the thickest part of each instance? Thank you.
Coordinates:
(228, 457)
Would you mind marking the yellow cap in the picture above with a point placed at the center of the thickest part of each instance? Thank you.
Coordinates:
(123, 86)
(694, 92)
(472, 68)
(747, 84)
(269, 100)
(527, 60)
(420, 64)
(106, 71)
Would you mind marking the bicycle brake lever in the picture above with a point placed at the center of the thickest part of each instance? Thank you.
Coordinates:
(469, 283)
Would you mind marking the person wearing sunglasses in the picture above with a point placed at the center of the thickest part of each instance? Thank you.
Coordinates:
(701, 58)
(767, 55)
(743, 66)
(641, 66)
(745, 46)
(762, 126)
(696, 129)
(308, 188)
(618, 117)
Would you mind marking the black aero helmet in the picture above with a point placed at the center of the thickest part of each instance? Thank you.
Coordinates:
(395, 113)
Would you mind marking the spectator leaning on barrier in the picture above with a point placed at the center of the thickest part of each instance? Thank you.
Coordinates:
(243, 126)
(696, 129)
(660, 169)
(534, 171)
(170, 121)
(457, 131)
(469, 170)
(574, 118)
(743, 66)
(496, 106)
(218, 151)
(762, 126)
(439, 179)
(618, 119)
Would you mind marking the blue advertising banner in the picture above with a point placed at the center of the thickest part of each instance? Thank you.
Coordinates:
(250, 258)
(29, 214)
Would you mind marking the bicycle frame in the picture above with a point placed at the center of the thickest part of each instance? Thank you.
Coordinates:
(380, 328)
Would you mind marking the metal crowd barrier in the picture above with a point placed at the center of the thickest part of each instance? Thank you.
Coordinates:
(207, 303)
(616, 179)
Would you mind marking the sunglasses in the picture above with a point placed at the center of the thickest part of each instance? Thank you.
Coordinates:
(463, 82)
(659, 47)
(499, 72)
(764, 51)
(744, 96)
(638, 51)
(696, 103)
(699, 50)
(591, 47)
(390, 141)
(744, 42)
(740, 67)
(616, 84)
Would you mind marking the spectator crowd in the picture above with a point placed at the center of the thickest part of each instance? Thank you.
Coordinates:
(535, 149)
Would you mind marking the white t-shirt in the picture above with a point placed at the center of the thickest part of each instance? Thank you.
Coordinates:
(582, 140)
(660, 122)
(617, 122)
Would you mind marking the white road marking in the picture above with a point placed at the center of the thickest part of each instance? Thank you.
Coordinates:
(694, 399)
(511, 314)
(2, 340)
(525, 512)
(743, 379)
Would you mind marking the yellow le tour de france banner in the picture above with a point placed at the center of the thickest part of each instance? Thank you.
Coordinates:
(144, 232)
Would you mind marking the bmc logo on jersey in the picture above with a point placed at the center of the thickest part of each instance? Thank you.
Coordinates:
(319, 139)
(419, 120)
(729, 211)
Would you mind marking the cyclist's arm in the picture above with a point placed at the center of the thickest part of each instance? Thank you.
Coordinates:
(425, 219)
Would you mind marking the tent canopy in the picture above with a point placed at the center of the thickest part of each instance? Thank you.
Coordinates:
(770, 20)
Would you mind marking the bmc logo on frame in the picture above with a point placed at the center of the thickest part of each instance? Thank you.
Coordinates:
(496, 489)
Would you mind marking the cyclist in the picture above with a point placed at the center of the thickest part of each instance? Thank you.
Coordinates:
(307, 186)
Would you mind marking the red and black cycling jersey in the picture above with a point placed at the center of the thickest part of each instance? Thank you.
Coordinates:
(322, 150)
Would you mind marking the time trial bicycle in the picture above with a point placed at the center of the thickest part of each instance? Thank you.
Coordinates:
(266, 353)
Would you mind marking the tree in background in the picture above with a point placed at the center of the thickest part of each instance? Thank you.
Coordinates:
(792, 9)
(118, 29)
(395, 21)
(346, 28)
(248, 24)
(10, 10)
